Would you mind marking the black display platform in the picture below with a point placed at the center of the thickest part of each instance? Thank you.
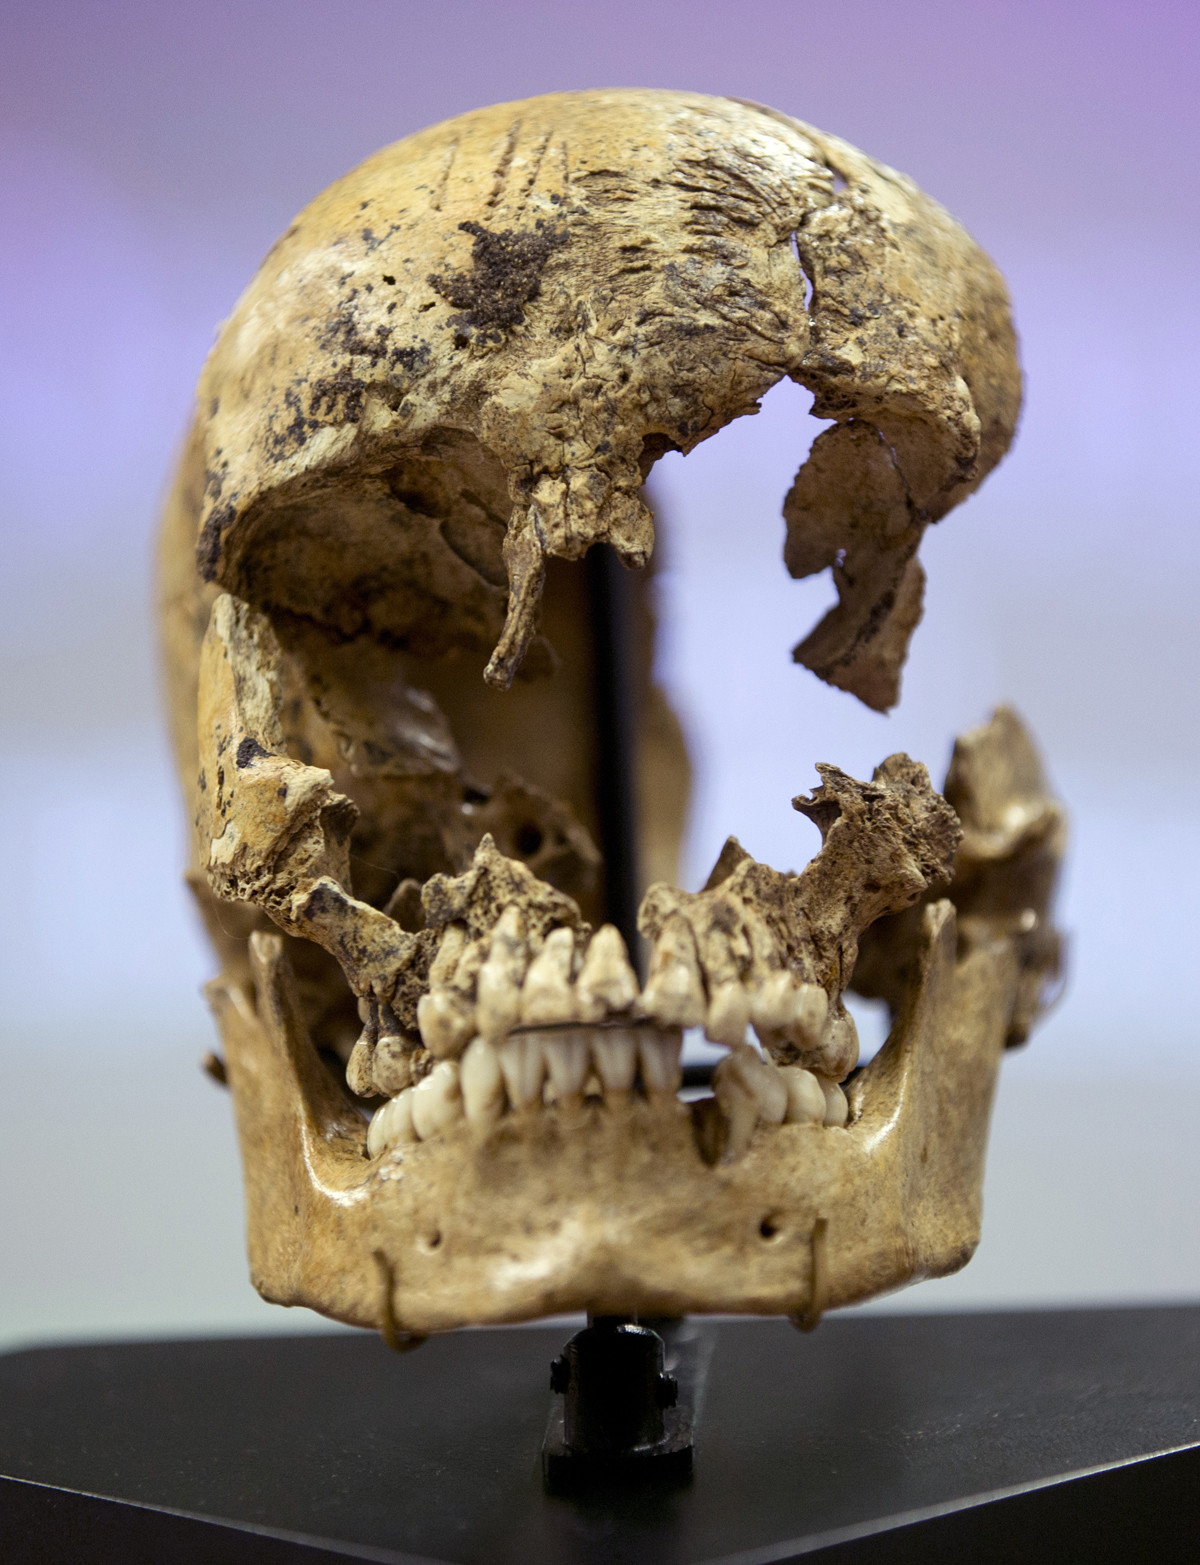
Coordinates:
(1071, 1435)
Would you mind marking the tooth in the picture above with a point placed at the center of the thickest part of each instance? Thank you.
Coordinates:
(547, 996)
(805, 1100)
(392, 1065)
(360, 1077)
(836, 1053)
(454, 943)
(748, 1088)
(446, 1019)
(498, 1007)
(771, 1008)
(674, 994)
(437, 1101)
(659, 1054)
(808, 1011)
(392, 1125)
(567, 1060)
(614, 1053)
(728, 1014)
(607, 983)
(524, 1067)
(837, 1110)
(482, 1083)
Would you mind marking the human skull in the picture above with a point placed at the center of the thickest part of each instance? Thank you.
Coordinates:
(449, 379)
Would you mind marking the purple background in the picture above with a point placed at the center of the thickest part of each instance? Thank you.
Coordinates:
(149, 155)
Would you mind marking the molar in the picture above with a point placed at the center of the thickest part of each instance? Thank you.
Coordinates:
(674, 993)
(437, 1101)
(607, 984)
(659, 1056)
(837, 1109)
(805, 1098)
(446, 1019)
(614, 1054)
(499, 986)
(523, 1063)
(548, 997)
(482, 1083)
(567, 1060)
(392, 1125)
(728, 1014)
(748, 1088)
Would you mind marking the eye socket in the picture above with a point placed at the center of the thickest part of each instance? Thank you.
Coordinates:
(528, 839)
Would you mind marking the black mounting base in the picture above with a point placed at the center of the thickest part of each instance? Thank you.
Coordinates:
(1063, 1435)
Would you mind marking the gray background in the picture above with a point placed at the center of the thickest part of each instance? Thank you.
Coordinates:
(149, 155)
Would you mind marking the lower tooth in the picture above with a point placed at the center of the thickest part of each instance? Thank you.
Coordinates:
(437, 1101)
(748, 1088)
(837, 1110)
(524, 1066)
(566, 1056)
(614, 1053)
(659, 1052)
(392, 1125)
(482, 1083)
(806, 1101)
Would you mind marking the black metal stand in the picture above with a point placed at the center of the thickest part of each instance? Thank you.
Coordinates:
(1059, 1436)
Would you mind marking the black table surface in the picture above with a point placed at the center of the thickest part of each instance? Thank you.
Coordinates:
(874, 1438)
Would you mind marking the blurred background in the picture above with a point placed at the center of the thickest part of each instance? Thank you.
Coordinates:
(150, 154)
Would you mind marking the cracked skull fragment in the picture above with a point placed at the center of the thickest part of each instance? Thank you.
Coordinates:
(457, 1096)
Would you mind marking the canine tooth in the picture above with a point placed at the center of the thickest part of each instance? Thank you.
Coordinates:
(524, 1066)
(674, 993)
(482, 1083)
(771, 1007)
(805, 1100)
(659, 1055)
(836, 1053)
(548, 996)
(567, 1060)
(437, 1101)
(392, 1125)
(808, 1012)
(499, 986)
(607, 983)
(748, 1088)
(446, 1019)
(454, 943)
(614, 1054)
(837, 1110)
(728, 1014)
(392, 1064)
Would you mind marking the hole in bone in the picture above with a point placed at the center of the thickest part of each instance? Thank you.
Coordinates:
(770, 1228)
(528, 839)
(839, 180)
(808, 282)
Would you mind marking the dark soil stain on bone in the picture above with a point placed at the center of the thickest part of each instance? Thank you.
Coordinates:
(505, 276)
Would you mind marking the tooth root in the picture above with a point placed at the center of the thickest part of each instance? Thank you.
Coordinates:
(449, 952)
(392, 1125)
(524, 1066)
(498, 1005)
(748, 1088)
(614, 1053)
(607, 983)
(836, 1054)
(482, 1083)
(805, 1099)
(659, 1056)
(674, 993)
(547, 996)
(437, 1102)
(771, 1007)
(837, 1109)
(728, 1014)
(446, 1019)
(808, 1014)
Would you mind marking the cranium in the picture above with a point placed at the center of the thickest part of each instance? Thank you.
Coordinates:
(448, 381)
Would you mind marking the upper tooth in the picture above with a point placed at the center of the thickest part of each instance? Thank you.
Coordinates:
(659, 1054)
(437, 1100)
(836, 1053)
(805, 1100)
(453, 944)
(499, 986)
(607, 983)
(808, 1013)
(392, 1064)
(614, 1052)
(392, 1125)
(771, 1009)
(446, 1019)
(728, 1014)
(548, 996)
(482, 1083)
(748, 1088)
(524, 1066)
(837, 1109)
(674, 994)
(360, 1077)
